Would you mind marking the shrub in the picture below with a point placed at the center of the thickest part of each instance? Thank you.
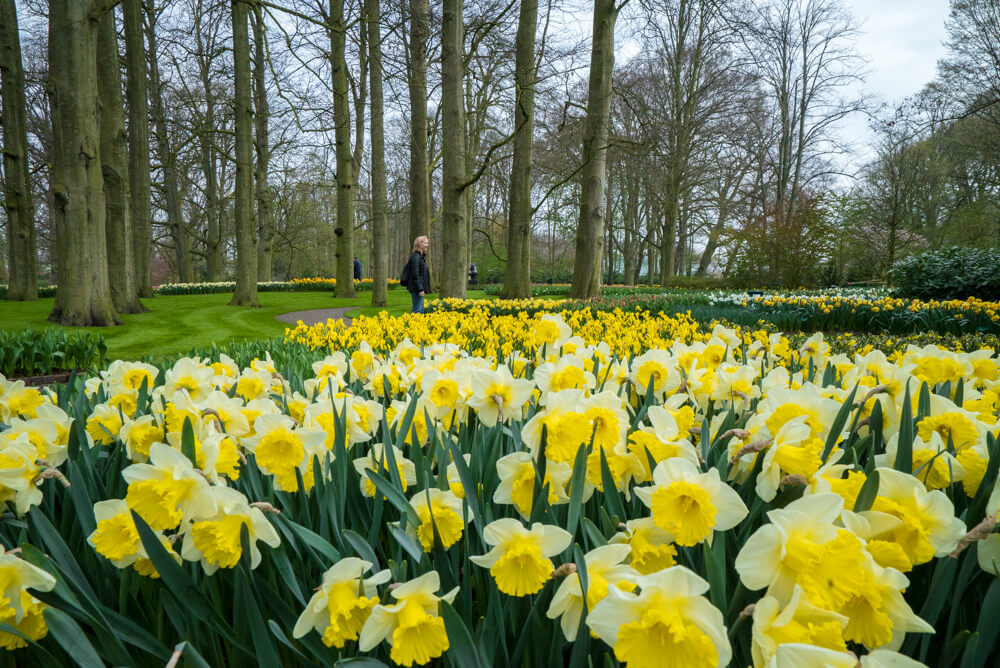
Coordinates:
(315, 284)
(43, 291)
(950, 273)
(33, 353)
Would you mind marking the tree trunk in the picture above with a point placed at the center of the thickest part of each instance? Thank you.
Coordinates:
(173, 205)
(84, 294)
(17, 188)
(114, 167)
(246, 244)
(380, 208)
(214, 261)
(345, 159)
(138, 147)
(213, 234)
(265, 217)
(590, 228)
(455, 243)
(419, 184)
(517, 274)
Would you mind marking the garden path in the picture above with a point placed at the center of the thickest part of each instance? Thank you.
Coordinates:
(316, 316)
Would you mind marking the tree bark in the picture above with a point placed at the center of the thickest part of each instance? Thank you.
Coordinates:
(137, 90)
(114, 167)
(171, 193)
(23, 284)
(380, 207)
(590, 229)
(517, 274)
(246, 244)
(455, 243)
(265, 216)
(213, 232)
(419, 183)
(84, 294)
(345, 158)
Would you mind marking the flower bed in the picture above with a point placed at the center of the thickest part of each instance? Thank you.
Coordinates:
(855, 310)
(315, 284)
(41, 353)
(721, 498)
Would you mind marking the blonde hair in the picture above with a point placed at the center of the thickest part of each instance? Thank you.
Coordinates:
(416, 242)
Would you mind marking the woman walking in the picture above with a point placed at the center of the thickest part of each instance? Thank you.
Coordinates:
(418, 275)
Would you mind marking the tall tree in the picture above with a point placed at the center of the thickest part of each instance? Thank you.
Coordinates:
(517, 273)
(84, 294)
(114, 167)
(691, 43)
(171, 193)
(805, 55)
(265, 217)
(345, 158)
(206, 50)
(246, 244)
(453, 227)
(17, 188)
(590, 228)
(380, 207)
(137, 90)
(419, 181)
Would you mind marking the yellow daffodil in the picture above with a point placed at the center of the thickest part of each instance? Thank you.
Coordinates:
(569, 372)
(104, 424)
(988, 549)
(187, 374)
(519, 560)
(651, 548)
(517, 482)
(281, 448)
(116, 537)
(376, 461)
(43, 434)
(566, 425)
(441, 512)
(657, 369)
(877, 614)
(793, 451)
(167, 489)
(18, 471)
(215, 540)
(18, 607)
(668, 623)
(17, 400)
(801, 545)
(413, 626)
(604, 566)
(929, 527)
(139, 434)
(497, 396)
(342, 604)
(689, 504)
(796, 622)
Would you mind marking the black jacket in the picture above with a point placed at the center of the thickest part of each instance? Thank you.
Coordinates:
(420, 275)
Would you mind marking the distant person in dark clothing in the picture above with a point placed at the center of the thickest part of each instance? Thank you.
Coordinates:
(417, 274)
(473, 274)
(357, 268)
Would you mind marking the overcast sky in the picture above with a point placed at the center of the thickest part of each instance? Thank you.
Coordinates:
(902, 41)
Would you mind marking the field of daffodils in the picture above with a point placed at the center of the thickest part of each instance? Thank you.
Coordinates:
(593, 489)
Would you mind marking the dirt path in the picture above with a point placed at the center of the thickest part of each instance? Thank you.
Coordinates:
(316, 316)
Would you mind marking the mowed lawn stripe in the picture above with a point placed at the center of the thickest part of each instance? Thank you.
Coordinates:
(178, 323)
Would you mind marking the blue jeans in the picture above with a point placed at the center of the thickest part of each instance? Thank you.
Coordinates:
(418, 302)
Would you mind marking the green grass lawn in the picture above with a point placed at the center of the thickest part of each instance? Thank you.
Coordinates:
(178, 323)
